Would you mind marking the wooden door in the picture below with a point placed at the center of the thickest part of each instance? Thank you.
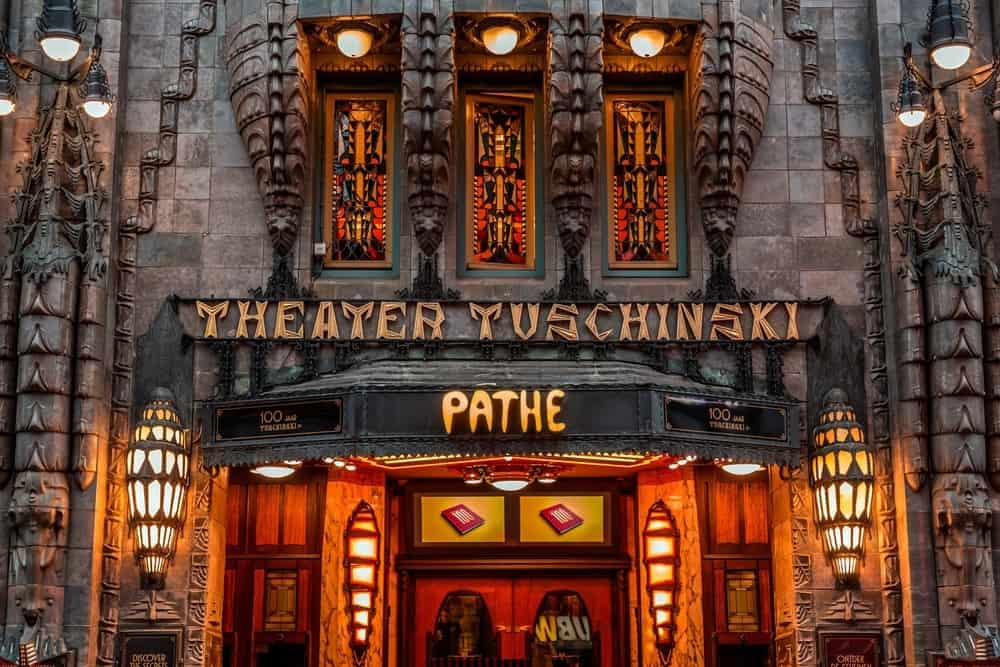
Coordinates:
(512, 604)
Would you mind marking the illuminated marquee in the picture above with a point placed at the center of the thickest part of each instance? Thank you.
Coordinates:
(504, 411)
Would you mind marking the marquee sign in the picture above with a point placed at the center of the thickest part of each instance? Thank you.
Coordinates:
(725, 418)
(601, 322)
(278, 420)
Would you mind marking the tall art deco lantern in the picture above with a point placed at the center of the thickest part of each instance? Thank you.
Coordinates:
(841, 472)
(660, 540)
(362, 538)
(157, 477)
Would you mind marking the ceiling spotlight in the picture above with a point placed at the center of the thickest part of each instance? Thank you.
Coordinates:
(647, 42)
(740, 469)
(355, 42)
(473, 475)
(350, 467)
(274, 471)
(500, 39)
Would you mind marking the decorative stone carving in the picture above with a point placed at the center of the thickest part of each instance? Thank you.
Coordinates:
(575, 107)
(730, 97)
(270, 93)
(57, 258)
(428, 102)
(943, 235)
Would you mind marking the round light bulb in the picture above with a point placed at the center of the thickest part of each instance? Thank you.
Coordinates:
(500, 39)
(647, 42)
(6, 107)
(273, 471)
(339, 463)
(473, 480)
(547, 480)
(951, 56)
(354, 42)
(350, 467)
(510, 485)
(741, 469)
(97, 108)
(60, 48)
(912, 118)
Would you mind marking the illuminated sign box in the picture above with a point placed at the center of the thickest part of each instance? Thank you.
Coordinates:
(722, 417)
(149, 649)
(279, 419)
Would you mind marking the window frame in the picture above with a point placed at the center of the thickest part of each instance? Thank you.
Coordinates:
(535, 168)
(675, 143)
(395, 185)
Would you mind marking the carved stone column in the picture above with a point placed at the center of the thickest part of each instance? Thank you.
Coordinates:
(270, 91)
(576, 64)
(428, 101)
(943, 238)
(732, 64)
(57, 259)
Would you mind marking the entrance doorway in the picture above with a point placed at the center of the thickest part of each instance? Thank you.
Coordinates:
(512, 621)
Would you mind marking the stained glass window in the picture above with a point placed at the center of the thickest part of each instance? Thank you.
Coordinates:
(357, 225)
(642, 224)
(500, 226)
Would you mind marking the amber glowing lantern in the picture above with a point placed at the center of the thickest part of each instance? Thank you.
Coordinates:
(660, 541)
(362, 568)
(157, 479)
(841, 471)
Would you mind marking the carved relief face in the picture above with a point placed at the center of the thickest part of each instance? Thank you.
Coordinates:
(38, 504)
(719, 224)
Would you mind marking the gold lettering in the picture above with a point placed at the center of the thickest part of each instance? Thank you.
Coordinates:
(484, 314)
(326, 321)
(689, 321)
(628, 320)
(212, 315)
(420, 320)
(285, 316)
(792, 333)
(505, 397)
(358, 314)
(454, 402)
(761, 327)
(386, 316)
(726, 321)
(662, 309)
(515, 314)
(241, 328)
(480, 406)
(535, 412)
(562, 322)
(591, 322)
(552, 409)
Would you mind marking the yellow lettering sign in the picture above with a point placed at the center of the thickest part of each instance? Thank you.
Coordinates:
(212, 315)
(286, 315)
(478, 413)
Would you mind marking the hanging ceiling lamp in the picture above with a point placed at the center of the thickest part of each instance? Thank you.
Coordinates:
(841, 472)
(948, 34)
(278, 470)
(738, 469)
(96, 91)
(910, 108)
(661, 556)
(157, 479)
(362, 538)
(59, 29)
(510, 477)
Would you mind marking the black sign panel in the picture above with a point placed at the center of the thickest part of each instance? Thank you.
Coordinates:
(720, 417)
(278, 420)
(149, 650)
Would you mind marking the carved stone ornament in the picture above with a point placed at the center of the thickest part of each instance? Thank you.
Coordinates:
(730, 97)
(428, 102)
(55, 272)
(946, 275)
(270, 93)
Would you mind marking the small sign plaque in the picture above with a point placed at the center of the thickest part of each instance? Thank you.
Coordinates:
(851, 650)
(149, 649)
(725, 418)
(278, 420)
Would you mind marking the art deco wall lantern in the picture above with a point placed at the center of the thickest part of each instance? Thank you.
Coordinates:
(362, 541)
(841, 472)
(158, 473)
(59, 29)
(646, 41)
(355, 41)
(660, 539)
(950, 47)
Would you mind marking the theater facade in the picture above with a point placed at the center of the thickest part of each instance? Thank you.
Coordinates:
(499, 333)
